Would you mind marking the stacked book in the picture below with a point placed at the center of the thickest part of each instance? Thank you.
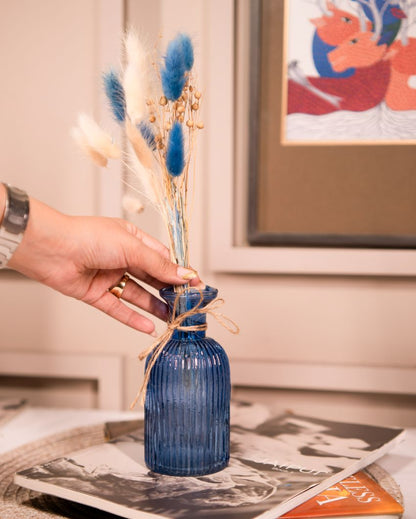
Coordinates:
(358, 496)
(289, 466)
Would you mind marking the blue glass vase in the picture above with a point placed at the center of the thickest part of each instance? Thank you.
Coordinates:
(187, 405)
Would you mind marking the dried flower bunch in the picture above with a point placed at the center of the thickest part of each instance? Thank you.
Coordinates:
(157, 104)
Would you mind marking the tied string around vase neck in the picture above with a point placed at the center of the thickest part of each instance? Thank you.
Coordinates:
(176, 324)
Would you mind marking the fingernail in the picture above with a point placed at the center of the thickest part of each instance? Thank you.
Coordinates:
(154, 334)
(201, 286)
(186, 273)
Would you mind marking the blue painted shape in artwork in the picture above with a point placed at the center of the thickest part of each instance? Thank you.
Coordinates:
(389, 15)
(320, 51)
(391, 21)
(389, 33)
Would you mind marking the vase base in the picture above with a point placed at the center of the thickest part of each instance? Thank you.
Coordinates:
(190, 472)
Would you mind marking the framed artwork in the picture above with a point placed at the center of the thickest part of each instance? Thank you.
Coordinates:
(333, 124)
(349, 74)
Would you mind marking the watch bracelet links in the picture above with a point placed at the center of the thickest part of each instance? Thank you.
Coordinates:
(13, 223)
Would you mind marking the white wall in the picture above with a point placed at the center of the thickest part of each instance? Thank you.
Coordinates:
(48, 63)
(53, 72)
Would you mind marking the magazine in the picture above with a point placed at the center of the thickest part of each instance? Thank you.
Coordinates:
(277, 463)
(357, 496)
(9, 408)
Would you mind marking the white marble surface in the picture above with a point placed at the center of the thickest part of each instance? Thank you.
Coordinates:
(35, 423)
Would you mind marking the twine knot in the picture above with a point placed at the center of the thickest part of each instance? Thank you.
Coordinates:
(176, 324)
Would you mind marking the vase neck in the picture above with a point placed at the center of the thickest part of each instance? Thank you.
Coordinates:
(180, 303)
(194, 320)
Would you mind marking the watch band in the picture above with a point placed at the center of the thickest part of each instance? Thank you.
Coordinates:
(13, 225)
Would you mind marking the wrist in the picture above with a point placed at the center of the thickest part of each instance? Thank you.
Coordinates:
(44, 243)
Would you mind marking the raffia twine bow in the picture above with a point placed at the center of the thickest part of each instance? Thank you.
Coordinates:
(176, 324)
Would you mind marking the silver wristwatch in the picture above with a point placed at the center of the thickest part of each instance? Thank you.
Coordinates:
(13, 225)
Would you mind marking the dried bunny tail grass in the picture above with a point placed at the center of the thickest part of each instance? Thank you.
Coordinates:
(97, 138)
(148, 184)
(135, 77)
(83, 144)
(175, 153)
(139, 145)
(115, 95)
(132, 204)
(147, 179)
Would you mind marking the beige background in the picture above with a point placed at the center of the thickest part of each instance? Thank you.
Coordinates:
(317, 320)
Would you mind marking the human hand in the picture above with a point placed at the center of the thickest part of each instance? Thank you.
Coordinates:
(83, 257)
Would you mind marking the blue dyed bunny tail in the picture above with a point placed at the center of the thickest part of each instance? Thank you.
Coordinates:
(147, 134)
(178, 60)
(173, 76)
(187, 51)
(175, 153)
(115, 94)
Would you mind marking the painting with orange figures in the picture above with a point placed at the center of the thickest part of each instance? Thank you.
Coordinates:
(350, 71)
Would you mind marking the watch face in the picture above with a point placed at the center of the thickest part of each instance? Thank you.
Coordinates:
(14, 223)
(17, 211)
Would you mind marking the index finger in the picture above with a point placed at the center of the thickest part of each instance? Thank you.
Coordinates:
(148, 240)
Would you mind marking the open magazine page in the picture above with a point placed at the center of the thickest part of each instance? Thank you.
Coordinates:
(9, 408)
(275, 460)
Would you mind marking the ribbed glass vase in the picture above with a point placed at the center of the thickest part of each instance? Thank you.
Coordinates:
(187, 405)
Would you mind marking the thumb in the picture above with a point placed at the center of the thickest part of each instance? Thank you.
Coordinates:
(143, 261)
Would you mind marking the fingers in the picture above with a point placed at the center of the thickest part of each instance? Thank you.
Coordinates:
(198, 283)
(153, 268)
(148, 240)
(115, 308)
(149, 260)
(140, 297)
(157, 284)
(153, 243)
(100, 296)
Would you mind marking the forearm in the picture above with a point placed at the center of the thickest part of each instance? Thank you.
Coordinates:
(40, 239)
(41, 250)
